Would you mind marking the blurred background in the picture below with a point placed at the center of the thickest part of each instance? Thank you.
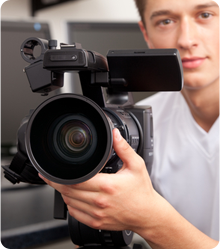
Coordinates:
(100, 25)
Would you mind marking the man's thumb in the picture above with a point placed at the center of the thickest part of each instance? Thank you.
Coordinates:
(122, 148)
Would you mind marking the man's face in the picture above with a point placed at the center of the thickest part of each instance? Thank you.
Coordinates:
(191, 26)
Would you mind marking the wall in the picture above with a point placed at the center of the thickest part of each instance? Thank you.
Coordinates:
(88, 10)
(15, 9)
(78, 10)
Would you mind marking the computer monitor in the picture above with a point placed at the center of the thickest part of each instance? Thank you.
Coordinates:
(16, 96)
(102, 37)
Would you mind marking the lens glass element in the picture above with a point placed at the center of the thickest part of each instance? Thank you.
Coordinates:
(74, 138)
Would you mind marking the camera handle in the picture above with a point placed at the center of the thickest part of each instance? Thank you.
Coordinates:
(95, 91)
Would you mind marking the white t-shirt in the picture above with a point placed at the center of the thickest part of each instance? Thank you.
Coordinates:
(185, 170)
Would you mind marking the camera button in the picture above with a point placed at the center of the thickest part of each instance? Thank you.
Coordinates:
(74, 57)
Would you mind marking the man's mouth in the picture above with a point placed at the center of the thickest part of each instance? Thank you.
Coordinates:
(192, 62)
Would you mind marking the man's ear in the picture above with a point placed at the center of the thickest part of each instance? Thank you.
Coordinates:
(144, 32)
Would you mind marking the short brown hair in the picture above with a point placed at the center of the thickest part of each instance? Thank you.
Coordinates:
(141, 6)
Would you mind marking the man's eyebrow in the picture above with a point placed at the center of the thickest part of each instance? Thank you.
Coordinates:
(160, 13)
(168, 12)
(207, 5)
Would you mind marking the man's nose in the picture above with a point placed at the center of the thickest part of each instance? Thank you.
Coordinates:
(187, 37)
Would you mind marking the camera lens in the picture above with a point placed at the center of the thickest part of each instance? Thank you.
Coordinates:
(73, 138)
(69, 139)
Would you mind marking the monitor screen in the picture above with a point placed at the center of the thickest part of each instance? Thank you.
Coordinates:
(16, 96)
(102, 37)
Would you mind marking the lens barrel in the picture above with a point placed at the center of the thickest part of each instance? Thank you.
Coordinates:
(69, 139)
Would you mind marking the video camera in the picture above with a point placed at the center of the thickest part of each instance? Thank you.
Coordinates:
(68, 137)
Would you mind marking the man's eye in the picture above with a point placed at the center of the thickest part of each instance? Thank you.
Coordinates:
(165, 22)
(205, 15)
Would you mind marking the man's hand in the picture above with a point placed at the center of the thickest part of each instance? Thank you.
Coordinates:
(127, 201)
(112, 201)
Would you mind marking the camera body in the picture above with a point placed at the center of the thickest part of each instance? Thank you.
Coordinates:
(68, 138)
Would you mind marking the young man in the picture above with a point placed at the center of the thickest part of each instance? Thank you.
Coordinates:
(187, 122)
(181, 211)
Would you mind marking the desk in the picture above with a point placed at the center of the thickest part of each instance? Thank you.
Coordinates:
(27, 216)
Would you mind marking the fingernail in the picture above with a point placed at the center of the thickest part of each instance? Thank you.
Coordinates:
(117, 135)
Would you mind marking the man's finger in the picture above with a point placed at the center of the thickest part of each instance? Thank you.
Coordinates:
(92, 185)
(123, 149)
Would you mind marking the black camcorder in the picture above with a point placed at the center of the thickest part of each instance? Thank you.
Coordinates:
(68, 137)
